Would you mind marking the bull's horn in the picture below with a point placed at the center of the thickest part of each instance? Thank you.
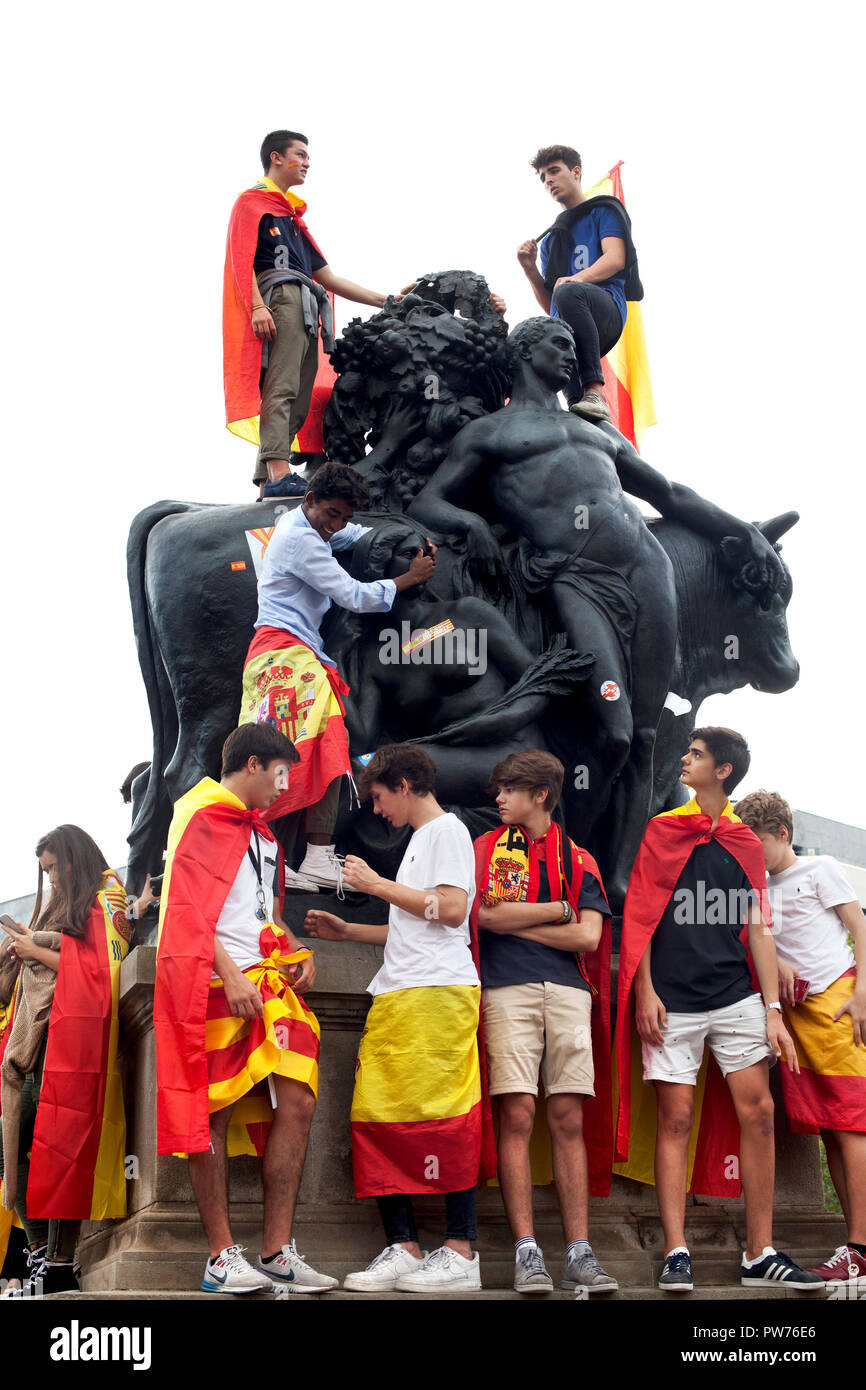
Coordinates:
(778, 525)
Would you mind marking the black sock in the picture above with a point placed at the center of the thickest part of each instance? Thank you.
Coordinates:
(861, 1249)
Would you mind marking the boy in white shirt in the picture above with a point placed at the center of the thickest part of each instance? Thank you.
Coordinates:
(417, 1109)
(824, 1002)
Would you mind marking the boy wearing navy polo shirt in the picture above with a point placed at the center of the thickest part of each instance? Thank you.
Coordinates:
(592, 250)
(537, 1004)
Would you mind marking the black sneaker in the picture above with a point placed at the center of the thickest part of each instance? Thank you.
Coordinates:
(676, 1276)
(779, 1268)
(288, 486)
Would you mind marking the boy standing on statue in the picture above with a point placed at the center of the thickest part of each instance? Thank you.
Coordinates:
(544, 930)
(822, 985)
(698, 877)
(276, 289)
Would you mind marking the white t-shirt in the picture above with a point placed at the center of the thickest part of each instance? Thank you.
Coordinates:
(808, 932)
(420, 952)
(238, 928)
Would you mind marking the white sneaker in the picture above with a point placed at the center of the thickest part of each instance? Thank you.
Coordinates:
(322, 867)
(229, 1272)
(442, 1271)
(287, 1270)
(299, 883)
(382, 1273)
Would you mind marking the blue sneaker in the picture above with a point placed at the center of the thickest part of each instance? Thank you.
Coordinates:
(292, 485)
(676, 1276)
(778, 1268)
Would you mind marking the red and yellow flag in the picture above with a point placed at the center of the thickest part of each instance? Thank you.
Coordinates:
(830, 1092)
(417, 1105)
(286, 685)
(77, 1158)
(626, 367)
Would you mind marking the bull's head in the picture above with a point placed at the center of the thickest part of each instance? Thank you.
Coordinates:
(764, 597)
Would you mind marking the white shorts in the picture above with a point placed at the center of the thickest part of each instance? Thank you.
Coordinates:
(737, 1035)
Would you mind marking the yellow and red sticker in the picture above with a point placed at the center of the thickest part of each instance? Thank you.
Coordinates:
(239, 564)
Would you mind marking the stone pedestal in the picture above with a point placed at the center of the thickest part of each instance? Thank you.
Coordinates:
(161, 1245)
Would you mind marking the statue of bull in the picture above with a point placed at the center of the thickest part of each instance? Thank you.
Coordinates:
(192, 580)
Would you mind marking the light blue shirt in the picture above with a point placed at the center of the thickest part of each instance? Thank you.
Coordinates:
(299, 604)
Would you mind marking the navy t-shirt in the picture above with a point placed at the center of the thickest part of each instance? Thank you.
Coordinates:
(586, 237)
(508, 960)
(283, 246)
(697, 959)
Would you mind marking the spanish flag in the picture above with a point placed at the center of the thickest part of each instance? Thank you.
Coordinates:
(667, 843)
(205, 1058)
(286, 685)
(77, 1158)
(830, 1092)
(417, 1105)
(626, 367)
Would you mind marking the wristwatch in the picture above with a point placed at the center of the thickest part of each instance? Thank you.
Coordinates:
(777, 1005)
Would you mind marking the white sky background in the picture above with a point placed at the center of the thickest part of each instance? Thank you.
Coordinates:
(130, 131)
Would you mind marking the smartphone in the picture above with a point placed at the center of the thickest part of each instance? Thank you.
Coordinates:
(9, 924)
(801, 989)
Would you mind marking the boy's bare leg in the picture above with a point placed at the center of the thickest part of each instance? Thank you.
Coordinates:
(676, 1113)
(208, 1173)
(750, 1091)
(837, 1171)
(570, 1169)
(283, 1160)
(516, 1117)
(851, 1147)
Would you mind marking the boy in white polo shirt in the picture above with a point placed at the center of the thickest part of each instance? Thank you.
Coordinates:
(824, 1002)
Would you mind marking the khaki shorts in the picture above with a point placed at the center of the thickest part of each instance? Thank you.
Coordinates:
(538, 1026)
(737, 1035)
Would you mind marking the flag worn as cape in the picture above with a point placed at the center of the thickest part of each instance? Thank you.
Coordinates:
(666, 846)
(626, 367)
(77, 1157)
(566, 864)
(208, 838)
(242, 350)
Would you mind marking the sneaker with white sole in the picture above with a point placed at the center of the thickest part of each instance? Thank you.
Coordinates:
(287, 1270)
(299, 883)
(530, 1274)
(229, 1272)
(443, 1270)
(775, 1267)
(585, 1272)
(846, 1267)
(676, 1277)
(321, 867)
(592, 407)
(382, 1274)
